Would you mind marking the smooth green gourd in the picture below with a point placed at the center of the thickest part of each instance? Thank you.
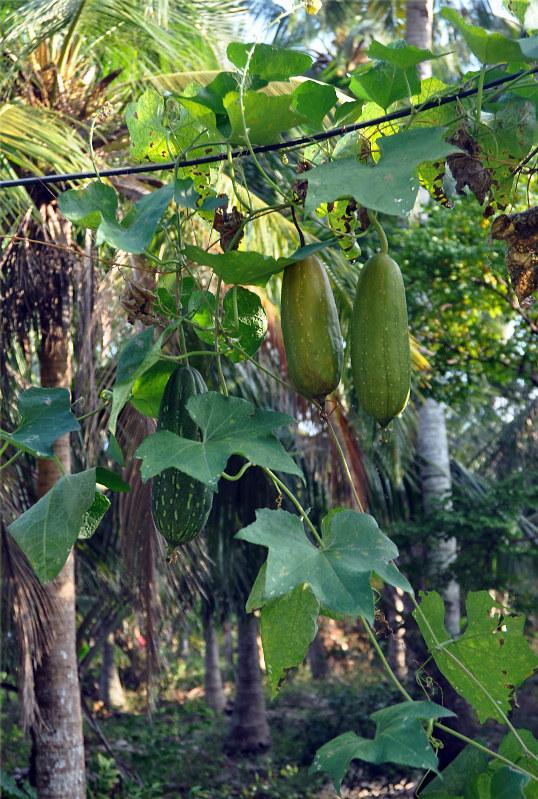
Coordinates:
(380, 351)
(311, 329)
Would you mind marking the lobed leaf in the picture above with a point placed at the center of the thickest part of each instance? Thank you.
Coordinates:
(494, 655)
(45, 416)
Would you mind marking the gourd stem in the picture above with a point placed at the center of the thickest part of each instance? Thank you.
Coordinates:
(13, 458)
(372, 216)
(477, 745)
(282, 486)
(345, 465)
(299, 231)
(240, 473)
(384, 660)
(92, 413)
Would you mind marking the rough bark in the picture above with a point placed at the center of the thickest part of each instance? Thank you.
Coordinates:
(110, 687)
(249, 730)
(214, 693)
(418, 30)
(432, 448)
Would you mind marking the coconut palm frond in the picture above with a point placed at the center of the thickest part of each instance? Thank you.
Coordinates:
(33, 614)
(164, 34)
(36, 140)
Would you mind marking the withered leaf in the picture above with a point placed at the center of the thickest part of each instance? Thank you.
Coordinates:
(227, 223)
(520, 232)
(467, 168)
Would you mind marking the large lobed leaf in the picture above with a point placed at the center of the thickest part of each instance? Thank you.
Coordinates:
(229, 426)
(339, 573)
(45, 416)
(391, 185)
(400, 738)
(495, 658)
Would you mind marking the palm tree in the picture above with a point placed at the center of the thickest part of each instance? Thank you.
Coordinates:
(59, 60)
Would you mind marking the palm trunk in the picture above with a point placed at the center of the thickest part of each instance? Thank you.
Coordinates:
(214, 693)
(249, 731)
(110, 687)
(59, 742)
(317, 658)
(418, 30)
(432, 448)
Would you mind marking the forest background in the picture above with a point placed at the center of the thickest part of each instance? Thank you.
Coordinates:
(145, 617)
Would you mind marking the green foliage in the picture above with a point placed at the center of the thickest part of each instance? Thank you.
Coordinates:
(400, 738)
(460, 302)
(96, 207)
(45, 415)
(472, 774)
(391, 185)
(339, 571)
(229, 425)
(489, 661)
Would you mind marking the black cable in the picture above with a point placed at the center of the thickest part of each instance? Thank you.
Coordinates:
(266, 148)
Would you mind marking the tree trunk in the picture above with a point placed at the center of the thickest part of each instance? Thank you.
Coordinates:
(317, 658)
(59, 741)
(432, 448)
(214, 693)
(249, 731)
(418, 30)
(110, 687)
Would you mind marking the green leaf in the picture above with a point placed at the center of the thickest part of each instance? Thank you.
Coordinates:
(256, 597)
(529, 47)
(148, 389)
(268, 61)
(229, 425)
(493, 649)
(399, 738)
(235, 266)
(517, 7)
(45, 416)
(185, 194)
(508, 784)
(111, 480)
(266, 116)
(81, 206)
(114, 450)
(391, 185)
(507, 144)
(249, 268)
(339, 574)
(92, 517)
(150, 138)
(47, 531)
(385, 83)
(453, 779)
(511, 749)
(313, 100)
(136, 356)
(400, 53)
(288, 624)
(478, 787)
(251, 323)
(489, 48)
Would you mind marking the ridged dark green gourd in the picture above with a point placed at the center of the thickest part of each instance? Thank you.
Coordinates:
(310, 329)
(179, 503)
(380, 351)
